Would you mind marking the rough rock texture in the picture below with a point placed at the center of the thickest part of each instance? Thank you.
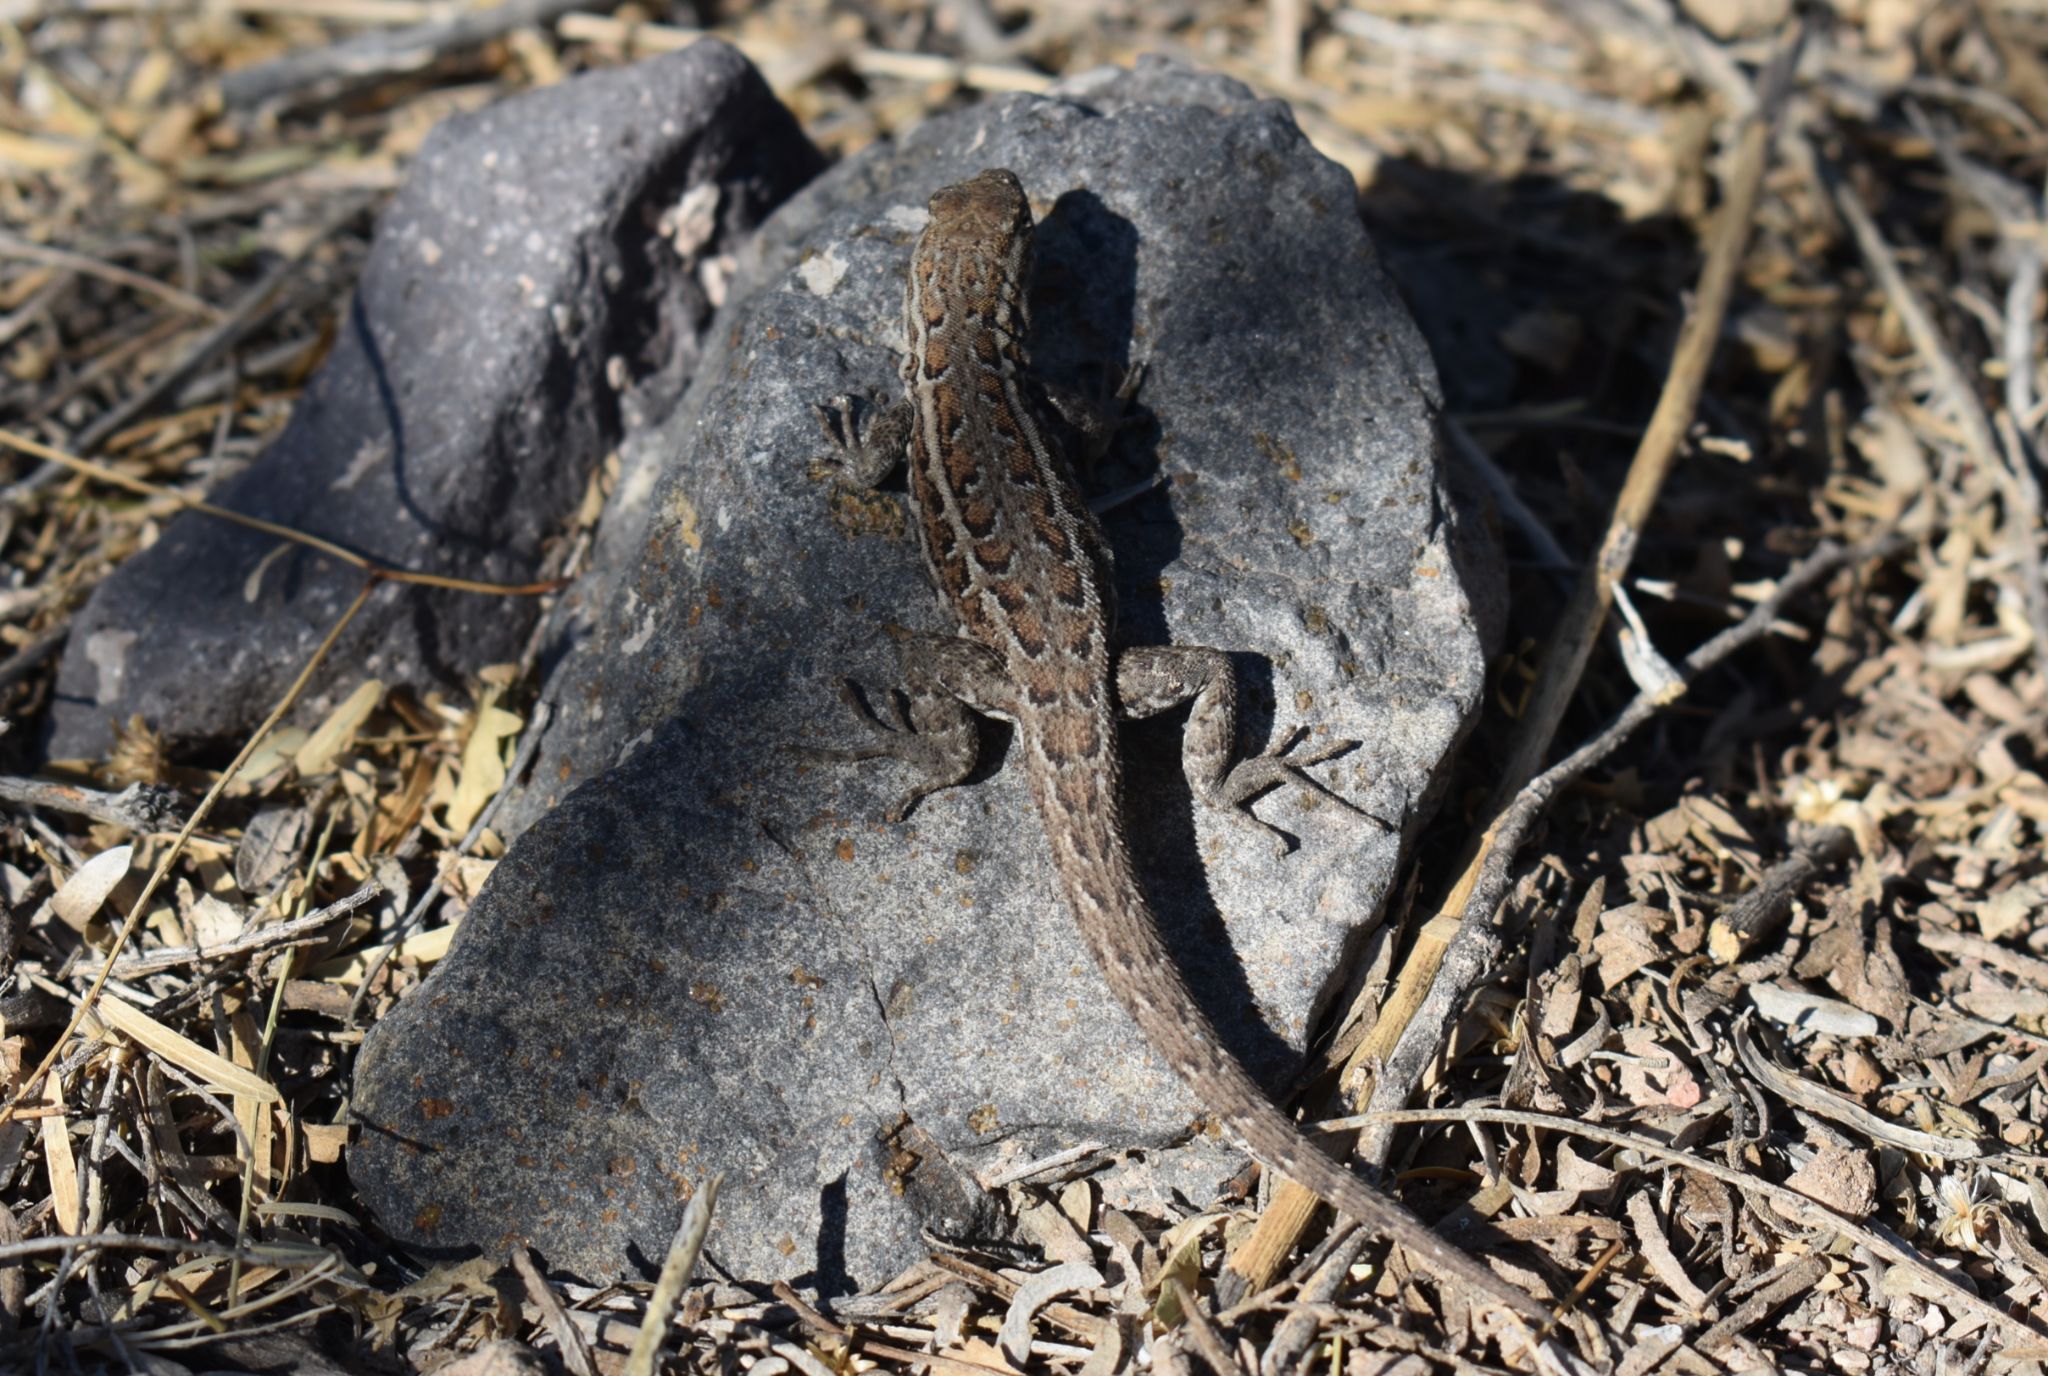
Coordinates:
(712, 957)
(521, 297)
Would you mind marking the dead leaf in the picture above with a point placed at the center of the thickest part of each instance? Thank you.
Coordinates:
(83, 894)
(1842, 1179)
(338, 732)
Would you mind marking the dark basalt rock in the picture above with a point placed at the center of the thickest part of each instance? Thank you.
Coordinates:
(519, 305)
(706, 954)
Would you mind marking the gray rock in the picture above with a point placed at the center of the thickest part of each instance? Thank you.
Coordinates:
(519, 301)
(712, 957)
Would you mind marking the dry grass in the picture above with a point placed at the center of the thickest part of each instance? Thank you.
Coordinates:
(1749, 1073)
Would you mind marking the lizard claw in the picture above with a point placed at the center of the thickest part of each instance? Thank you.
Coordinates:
(835, 417)
(1262, 773)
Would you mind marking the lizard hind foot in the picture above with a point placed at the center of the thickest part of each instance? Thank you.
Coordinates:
(835, 417)
(1260, 774)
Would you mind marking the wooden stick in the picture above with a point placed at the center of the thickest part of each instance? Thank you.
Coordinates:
(379, 572)
(675, 1274)
(1255, 1263)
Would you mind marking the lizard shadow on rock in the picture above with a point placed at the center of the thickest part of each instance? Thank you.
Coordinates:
(1083, 298)
(830, 1277)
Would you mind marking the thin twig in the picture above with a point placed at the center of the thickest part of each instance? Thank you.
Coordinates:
(1757, 913)
(568, 1337)
(1501, 489)
(292, 931)
(316, 72)
(2016, 342)
(14, 246)
(33, 1083)
(281, 1254)
(1208, 1342)
(675, 1274)
(385, 572)
(138, 807)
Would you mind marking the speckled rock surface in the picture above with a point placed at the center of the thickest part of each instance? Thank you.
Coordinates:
(521, 302)
(706, 954)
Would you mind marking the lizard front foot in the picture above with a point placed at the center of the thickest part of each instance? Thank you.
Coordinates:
(937, 744)
(866, 445)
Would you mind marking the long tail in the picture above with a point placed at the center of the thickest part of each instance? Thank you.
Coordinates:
(1123, 937)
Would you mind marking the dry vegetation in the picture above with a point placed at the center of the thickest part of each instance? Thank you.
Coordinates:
(1750, 1072)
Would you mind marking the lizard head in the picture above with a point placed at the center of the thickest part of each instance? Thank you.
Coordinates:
(976, 249)
(987, 207)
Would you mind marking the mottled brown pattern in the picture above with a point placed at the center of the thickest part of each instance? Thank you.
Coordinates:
(1068, 589)
(947, 413)
(1023, 468)
(996, 557)
(1073, 736)
(1059, 549)
(1077, 638)
(979, 518)
(1027, 632)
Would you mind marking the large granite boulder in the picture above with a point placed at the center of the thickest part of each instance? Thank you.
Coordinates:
(529, 290)
(708, 954)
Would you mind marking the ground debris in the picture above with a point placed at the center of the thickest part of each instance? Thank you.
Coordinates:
(1765, 1050)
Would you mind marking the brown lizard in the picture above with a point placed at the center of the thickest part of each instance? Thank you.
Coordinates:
(1016, 555)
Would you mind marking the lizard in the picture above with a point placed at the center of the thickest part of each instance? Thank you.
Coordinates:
(1020, 562)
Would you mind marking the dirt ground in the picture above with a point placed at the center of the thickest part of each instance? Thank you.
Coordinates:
(1738, 1054)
